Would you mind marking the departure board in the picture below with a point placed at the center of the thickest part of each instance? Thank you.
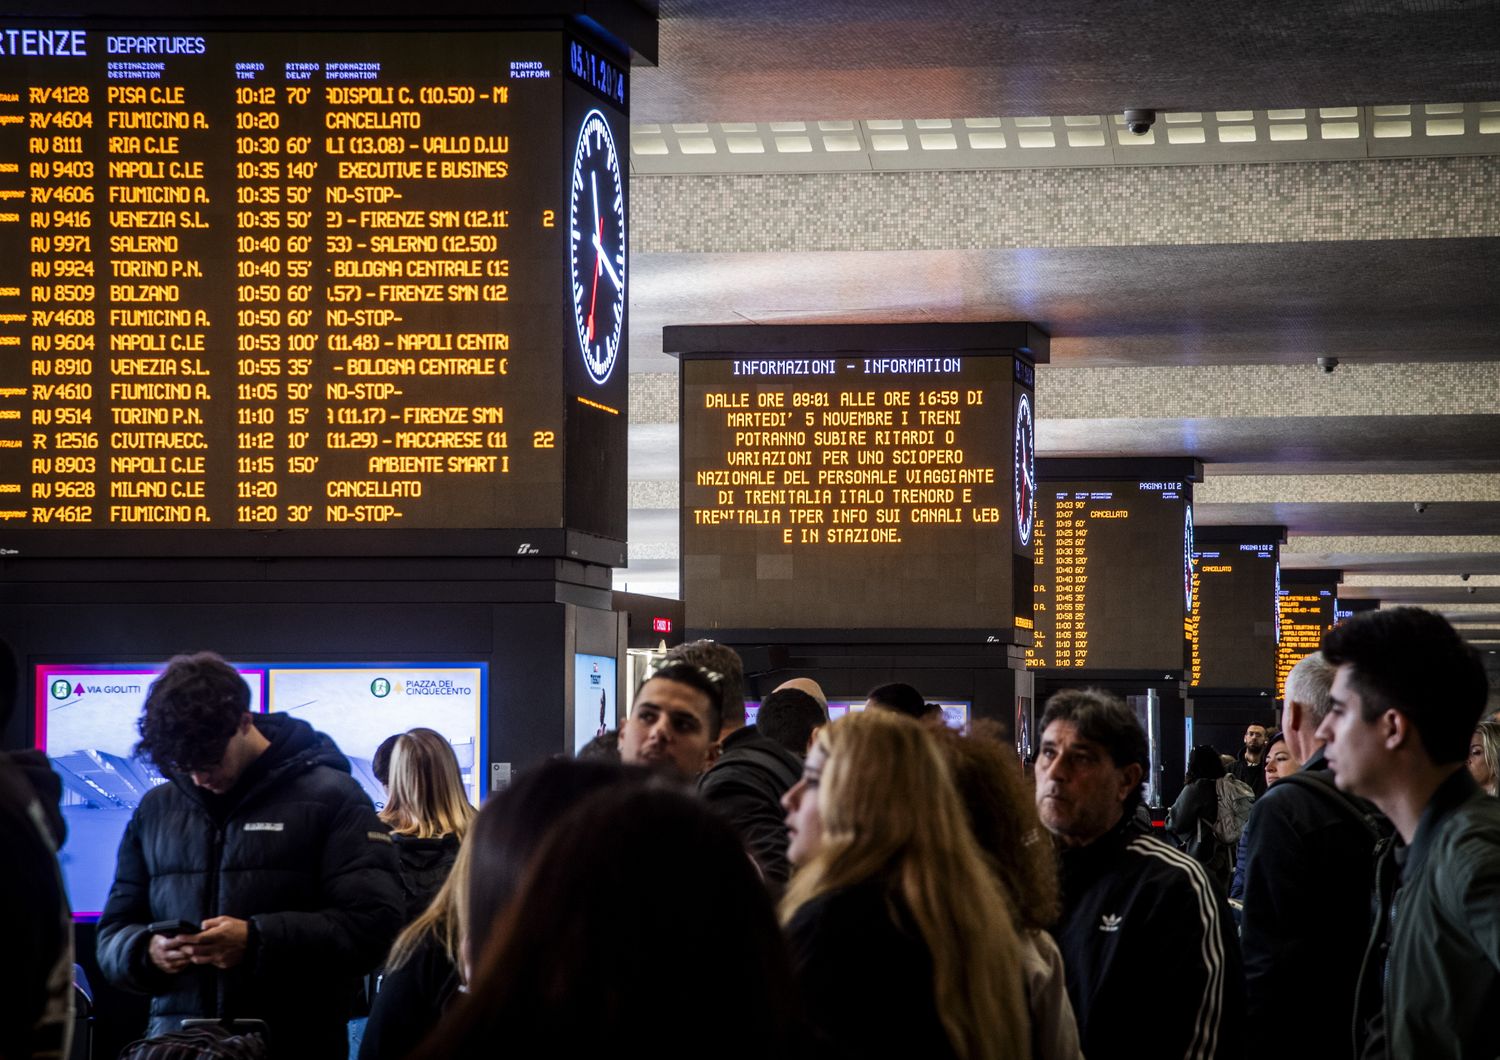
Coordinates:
(857, 492)
(308, 281)
(1113, 575)
(1305, 614)
(1232, 628)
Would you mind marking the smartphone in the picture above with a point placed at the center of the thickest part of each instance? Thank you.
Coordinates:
(171, 928)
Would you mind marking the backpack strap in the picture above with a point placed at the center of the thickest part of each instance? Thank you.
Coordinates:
(1359, 809)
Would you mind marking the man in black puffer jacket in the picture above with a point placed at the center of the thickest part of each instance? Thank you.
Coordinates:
(264, 839)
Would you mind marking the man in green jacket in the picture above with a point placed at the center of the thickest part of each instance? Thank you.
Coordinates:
(1405, 700)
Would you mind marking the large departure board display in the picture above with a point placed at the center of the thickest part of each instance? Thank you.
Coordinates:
(1233, 626)
(1305, 613)
(308, 281)
(1113, 575)
(858, 492)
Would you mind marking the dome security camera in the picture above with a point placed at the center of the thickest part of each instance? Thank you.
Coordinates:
(1463, 577)
(1139, 122)
(1328, 364)
(1419, 507)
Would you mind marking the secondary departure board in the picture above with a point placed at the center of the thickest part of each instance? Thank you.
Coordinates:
(1233, 627)
(1306, 613)
(1113, 575)
(309, 281)
(858, 492)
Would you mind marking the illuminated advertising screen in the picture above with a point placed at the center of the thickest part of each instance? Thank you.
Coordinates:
(86, 718)
(310, 281)
(359, 704)
(857, 492)
(595, 704)
(1233, 626)
(955, 711)
(1114, 577)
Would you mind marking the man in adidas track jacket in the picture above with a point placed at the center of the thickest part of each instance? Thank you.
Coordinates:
(1153, 968)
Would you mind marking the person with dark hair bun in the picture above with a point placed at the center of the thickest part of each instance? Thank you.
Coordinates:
(603, 950)
(1192, 817)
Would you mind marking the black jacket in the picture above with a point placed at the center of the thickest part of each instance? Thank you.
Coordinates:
(299, 853)
(425, 864)
(1253, 774)
(865, 977)
(746, 785)
(36, 972)
(1153, 968)
(1308, 869)
(411, 1000)
(1438, 985)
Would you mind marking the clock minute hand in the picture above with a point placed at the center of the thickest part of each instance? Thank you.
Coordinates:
(614, 277)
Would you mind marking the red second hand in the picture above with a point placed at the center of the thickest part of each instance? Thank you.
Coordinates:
(598, 264)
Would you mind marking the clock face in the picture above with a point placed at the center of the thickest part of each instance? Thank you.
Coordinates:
(1187, 559)
(1025, 470)
(597, 222)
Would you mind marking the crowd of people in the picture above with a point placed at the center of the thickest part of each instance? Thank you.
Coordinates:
(874, 886)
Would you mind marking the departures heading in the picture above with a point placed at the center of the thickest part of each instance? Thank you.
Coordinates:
(257, 280)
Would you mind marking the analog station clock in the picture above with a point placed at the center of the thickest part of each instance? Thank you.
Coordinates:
(597, 216)
(1025, 470)
(1187, 559)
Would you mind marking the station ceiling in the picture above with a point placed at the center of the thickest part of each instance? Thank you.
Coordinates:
(1347, 476)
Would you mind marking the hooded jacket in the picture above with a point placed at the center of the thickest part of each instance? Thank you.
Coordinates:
(296, 849)
(425, 865)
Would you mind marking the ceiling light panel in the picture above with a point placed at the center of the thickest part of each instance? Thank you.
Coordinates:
(1034, 141)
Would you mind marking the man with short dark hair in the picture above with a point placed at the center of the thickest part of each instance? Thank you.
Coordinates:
(675, 719)
(790, 717)
(266, 845)
(1308, 863)
(1405, 700)
(715, 658)
(759, 765)
(903, 699)
(1250, 764)
(1143, 931)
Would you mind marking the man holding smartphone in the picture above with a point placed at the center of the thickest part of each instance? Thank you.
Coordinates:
(258, 883)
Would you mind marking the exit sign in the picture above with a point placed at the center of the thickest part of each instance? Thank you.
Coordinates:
(661, 625)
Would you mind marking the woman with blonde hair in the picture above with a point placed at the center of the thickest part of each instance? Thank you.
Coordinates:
(427, 812)
(1484, 755)
(902, 939)
(423, 972)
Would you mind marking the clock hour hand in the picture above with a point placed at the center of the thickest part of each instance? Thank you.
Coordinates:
(594, 294)
(614, 277)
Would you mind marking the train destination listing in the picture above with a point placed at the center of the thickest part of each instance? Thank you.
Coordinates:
(841, 473)
(1110, 576)
(1232, 628)
(1305, 613)
(256, 280)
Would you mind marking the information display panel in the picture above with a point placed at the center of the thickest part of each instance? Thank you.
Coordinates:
(1305, 614)
(292, 281)
(86, 724)
(857, 492)
(1233, 627)
(1113, 575)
